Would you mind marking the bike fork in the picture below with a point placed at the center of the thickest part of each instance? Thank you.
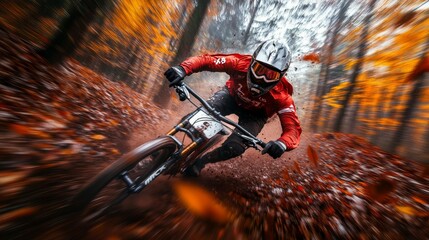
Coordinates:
(140, 185)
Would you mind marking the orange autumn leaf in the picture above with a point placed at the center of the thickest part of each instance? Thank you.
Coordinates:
(201, 202)
(407, 210)
(296, 167)
(312, 57)
(115, 151)
(114, 122)
(68, 151)
(98, 137)
(419, 200)
(312, 155)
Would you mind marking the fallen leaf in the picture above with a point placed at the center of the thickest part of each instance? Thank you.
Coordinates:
(98, 137)
(201, 203)
(296, 167)
(419, 200)
(312, 155)
(406, 210)
(312, 57)
(114, 122)
(68, 151)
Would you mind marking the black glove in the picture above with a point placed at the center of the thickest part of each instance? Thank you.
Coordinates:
(274, 148)
(175, 75)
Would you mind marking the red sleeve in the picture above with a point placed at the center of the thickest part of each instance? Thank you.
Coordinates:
(290, 124)
(214, 63)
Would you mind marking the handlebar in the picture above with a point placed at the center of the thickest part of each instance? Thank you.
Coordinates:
(184, 90)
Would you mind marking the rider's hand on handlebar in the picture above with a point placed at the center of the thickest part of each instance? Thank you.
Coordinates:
(274, 148)
(175, 75)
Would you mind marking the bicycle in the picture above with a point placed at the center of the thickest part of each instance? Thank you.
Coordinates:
(135, 170)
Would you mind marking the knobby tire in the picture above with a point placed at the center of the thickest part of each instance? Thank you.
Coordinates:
(163, 146)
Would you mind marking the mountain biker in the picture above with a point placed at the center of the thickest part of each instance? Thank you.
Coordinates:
(257, 89)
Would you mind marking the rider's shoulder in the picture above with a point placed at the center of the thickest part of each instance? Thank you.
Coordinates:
(284, 87)
(230, 55)
(243, 61)
(239, 61)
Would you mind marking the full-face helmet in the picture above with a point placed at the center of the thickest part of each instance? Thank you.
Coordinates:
(269, 64)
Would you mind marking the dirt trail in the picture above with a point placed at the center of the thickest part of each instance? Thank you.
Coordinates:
(352, 188)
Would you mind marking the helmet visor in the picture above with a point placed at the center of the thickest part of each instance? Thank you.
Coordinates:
(263, 74)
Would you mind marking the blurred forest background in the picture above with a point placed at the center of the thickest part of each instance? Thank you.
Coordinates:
(81, 83)
(359, 71)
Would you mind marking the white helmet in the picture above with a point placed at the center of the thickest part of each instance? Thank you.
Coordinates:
(270, 61)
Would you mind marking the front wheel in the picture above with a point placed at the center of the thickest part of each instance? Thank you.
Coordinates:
(112, 185)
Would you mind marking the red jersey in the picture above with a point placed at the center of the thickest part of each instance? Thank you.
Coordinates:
(277, 100)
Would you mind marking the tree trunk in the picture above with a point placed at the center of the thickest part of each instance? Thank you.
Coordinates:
(71, 31)
(318, 97)
(125, 75)
(381, 105)
(246, 34)
(357, 68)
(411, 104)
(144, 79)
(186, 43)
(354, 117)
(324, 71)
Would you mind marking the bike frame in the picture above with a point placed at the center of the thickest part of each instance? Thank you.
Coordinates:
(183, 91)
(197, 137)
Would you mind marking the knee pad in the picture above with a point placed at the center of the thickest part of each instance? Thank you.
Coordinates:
(231, 150)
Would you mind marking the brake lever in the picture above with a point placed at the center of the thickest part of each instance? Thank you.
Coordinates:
(183, 92)
(251, 142)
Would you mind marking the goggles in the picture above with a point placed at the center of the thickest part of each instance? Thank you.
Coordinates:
(263, 74)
